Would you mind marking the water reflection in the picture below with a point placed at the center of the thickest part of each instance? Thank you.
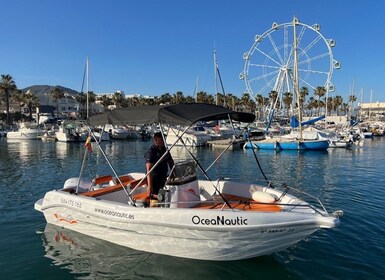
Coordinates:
(24, 148)
(90, 258)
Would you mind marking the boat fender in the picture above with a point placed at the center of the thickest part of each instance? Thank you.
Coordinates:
(74, 182)
(263, 197)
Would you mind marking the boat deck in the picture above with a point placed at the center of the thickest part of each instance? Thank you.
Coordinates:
(238, 202)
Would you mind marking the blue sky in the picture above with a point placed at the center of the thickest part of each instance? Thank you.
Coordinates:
(152, 47)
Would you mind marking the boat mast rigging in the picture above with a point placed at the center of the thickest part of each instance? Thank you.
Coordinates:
(296, 87)
(87, 88)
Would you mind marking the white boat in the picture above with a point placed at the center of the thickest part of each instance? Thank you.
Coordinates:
(45, 118)
(116, 132)
(192, 136)
(134, 132)
(312, 133)
(25, 131)
(100, 135)
(71, 131)
(208, 219)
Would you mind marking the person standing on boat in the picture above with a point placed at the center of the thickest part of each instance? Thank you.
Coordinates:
(157, 178)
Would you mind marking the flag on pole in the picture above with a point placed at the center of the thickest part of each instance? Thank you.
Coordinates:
(88, 144)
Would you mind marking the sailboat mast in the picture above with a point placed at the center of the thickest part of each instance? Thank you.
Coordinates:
(215, 77)
(196, 90)
(296, 86)
(370, 102)
(87, 88)
(351, 97)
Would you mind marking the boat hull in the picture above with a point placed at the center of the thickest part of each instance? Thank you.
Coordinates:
(288, 145)
(181, 232)
(25, 134)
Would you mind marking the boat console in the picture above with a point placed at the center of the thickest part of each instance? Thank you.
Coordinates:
(182, 189)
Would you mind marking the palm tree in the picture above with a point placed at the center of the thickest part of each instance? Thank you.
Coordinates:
(337, 102)
(319, 92)
(287, 101)
(330, 103)
(18, 97)
(7, 87)
(273, 96)
(118, 99)
(178, 97)
(221, 99)
(81, 99)
(345, 108)
(31, 100)
(105, 101)
(247, 102)
(190, 99)
(57, 94)
(311, 105)
(165, 99)
(91, 97)
(302, 96)
(202, 97)
(233, 102)
(260, 102)
(352, 99)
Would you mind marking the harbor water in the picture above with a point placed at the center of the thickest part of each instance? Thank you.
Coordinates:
(351, 180)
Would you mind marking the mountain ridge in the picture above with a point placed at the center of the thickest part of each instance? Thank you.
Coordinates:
(46, 89)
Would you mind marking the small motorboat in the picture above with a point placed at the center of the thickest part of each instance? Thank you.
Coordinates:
(25, 131)
(195, 216)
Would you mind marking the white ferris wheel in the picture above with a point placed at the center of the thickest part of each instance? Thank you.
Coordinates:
(270, 66)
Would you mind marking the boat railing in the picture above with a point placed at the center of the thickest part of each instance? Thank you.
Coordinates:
(313, 198)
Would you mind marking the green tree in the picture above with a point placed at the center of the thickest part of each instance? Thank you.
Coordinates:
(260, 102)
(190, 99)
(7, 87)
(302, 96)
(57, 94)
(352, 99)
(203, 97)
(287, 101)
(273, 99)
(17, 96)
(165, 98)
(118, 99)
(178, 97)
(329, 103)
(91, 97)
(105, 101)
(81, 99)
(319, 92)
(31, 100)
(247, 102)
(233, 102)
(345, 108)
(337, 103)
(311, 105)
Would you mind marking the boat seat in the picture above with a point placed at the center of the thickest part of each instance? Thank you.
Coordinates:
(143, 197)
(238, 202)
(131, 183)
(249, 204)
(101, 180)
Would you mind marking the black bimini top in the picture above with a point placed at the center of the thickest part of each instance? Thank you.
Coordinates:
(175, 114)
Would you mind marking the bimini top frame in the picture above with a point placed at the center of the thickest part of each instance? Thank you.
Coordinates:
(186, 114)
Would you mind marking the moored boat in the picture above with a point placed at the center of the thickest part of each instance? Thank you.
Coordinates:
(197, 218)
(25, 131)
(71, 131)
(281, 143)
